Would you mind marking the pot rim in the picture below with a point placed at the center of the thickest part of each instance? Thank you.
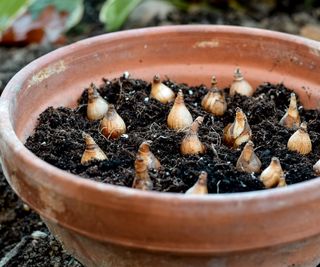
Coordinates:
(11, 90)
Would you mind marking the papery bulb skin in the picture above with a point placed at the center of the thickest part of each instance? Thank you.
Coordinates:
(179, 117)
(214, 101)
(142, 179)
(191, 144)
(282, 182)
(300, 141)
(112, 125)
(200, 187)
(238, 132)
(97, 106)
(248, 161)
(240, 85)
(150, 159)
(160, 91)
(291, 118)
(272, 175)
(92, 151)
(316, 168)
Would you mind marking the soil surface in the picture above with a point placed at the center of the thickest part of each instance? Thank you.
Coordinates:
(58, 138)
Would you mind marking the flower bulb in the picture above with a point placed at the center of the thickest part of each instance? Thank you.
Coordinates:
(271, 176)
(191, 144)
(142, 179)
(149, 158)
(300, 141)
(248, 160)
(112, 125)
(316, 167)
(97, 106)
(92, 151)
(160, 91)
(240, 85)
(291, 119)
(214, 101)
(179, 116)
(200, 187)
(238, 132)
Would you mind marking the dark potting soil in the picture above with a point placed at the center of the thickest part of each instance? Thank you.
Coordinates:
(57, 138)
(24, 238)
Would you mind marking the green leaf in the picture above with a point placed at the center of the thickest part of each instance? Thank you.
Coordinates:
(115, 12)
(181, 4)
(76, 15)
(73, 7)
(10, 10)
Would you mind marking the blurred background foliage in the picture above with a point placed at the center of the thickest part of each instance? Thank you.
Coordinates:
(46, 21)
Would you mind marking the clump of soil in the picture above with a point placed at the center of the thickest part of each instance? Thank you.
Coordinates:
(57, 138)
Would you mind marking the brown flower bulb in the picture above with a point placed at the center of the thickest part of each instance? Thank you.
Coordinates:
(191, 145)
(248, 160)
(316, 167)
(92, 151)
(160, 91)
(240, 85)
(300, 141)
(149, 158)
(142, 179)
(238, 132)
(291, 119)
(273, 174)
(214, 101)
(200, 187)
(282, 181)
(179, 116)
(112, 125)
(97, 106)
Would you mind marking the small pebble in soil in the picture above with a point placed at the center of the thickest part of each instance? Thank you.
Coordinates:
(26, 207)
(38, 235)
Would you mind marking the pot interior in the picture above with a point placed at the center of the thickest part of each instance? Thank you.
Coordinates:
(190, 55)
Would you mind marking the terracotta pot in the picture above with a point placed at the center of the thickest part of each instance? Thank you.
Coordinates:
(105, 225)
